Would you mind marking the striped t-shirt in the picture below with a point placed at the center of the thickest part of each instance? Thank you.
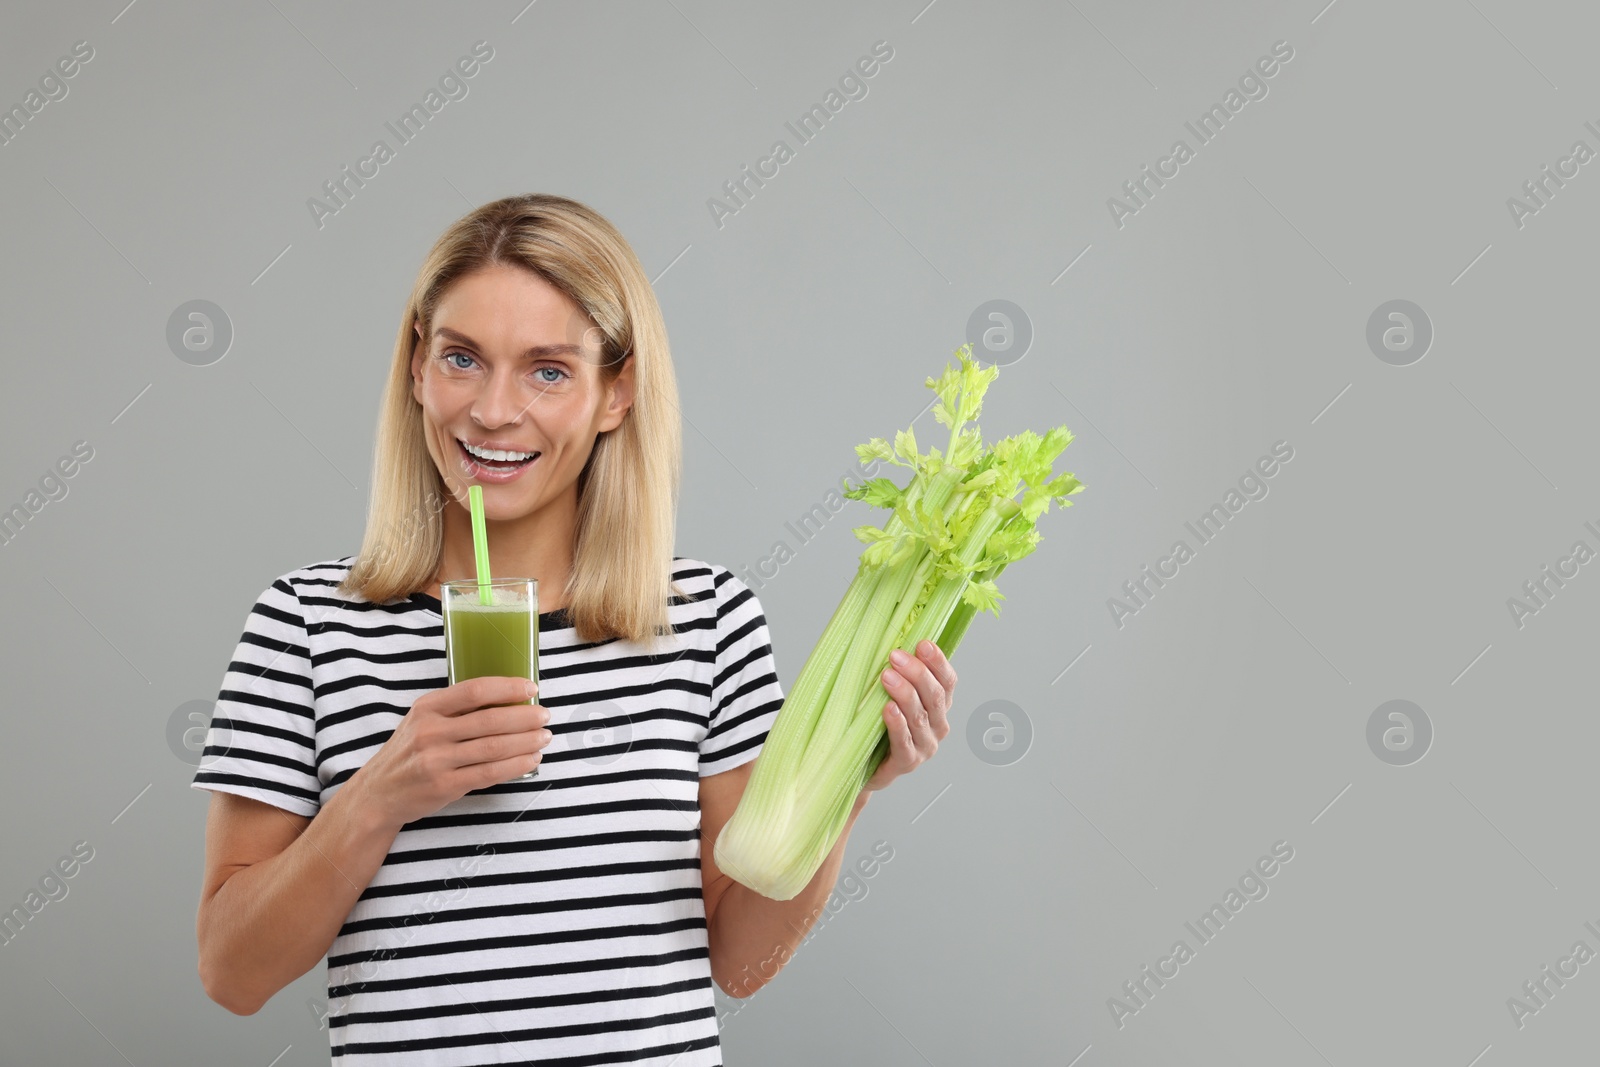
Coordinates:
(559, 920)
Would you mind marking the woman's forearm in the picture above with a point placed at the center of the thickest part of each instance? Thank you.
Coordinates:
(753, 936)
(273, 921)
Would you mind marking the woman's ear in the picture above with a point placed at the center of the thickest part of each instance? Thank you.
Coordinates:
(621, 396)
(418, 351)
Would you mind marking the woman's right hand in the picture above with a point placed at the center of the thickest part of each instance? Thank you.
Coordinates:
(466, 736)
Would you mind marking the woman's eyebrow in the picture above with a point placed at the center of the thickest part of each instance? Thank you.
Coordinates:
(536, 352)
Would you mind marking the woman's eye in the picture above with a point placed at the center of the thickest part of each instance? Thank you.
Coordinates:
(558, 375)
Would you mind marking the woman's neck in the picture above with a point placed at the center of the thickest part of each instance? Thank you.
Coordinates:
(537, 546)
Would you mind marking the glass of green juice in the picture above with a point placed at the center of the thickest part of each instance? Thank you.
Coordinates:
(495, 639)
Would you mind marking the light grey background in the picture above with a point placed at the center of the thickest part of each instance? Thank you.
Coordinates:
(1229, 313)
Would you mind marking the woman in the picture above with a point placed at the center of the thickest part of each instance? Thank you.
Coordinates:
(363, 810)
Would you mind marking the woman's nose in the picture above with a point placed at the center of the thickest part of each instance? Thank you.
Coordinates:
(502, 401)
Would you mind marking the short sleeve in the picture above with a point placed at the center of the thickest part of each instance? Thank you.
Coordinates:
(261, 740)
(745, 694)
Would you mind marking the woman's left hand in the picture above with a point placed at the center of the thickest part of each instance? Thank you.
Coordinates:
(918, 715)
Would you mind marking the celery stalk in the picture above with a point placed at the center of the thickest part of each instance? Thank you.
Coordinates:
(925, 574)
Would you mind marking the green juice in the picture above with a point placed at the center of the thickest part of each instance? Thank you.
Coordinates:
(491, 641)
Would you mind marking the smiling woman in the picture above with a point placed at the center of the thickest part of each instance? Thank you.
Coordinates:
(531, 361)
(351, 783)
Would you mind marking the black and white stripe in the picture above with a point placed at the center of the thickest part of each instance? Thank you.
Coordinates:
(557, 921)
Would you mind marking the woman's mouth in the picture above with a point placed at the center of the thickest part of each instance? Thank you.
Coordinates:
(494, 471)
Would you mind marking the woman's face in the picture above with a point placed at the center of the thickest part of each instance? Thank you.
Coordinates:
(513, 365)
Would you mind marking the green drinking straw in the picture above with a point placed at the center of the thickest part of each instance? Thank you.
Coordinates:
(480, 543)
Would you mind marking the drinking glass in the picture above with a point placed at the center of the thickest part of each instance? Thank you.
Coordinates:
(497, 639)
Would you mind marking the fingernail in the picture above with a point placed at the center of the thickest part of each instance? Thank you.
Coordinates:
(897, 656)
(533, 688)
(891, 677)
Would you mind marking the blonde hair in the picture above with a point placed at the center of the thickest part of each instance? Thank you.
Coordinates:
(627, 491)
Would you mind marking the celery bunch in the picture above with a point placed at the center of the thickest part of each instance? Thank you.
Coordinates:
(926, 573)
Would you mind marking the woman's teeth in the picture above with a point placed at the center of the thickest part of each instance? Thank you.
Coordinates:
(484, 461)
(496, 455)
